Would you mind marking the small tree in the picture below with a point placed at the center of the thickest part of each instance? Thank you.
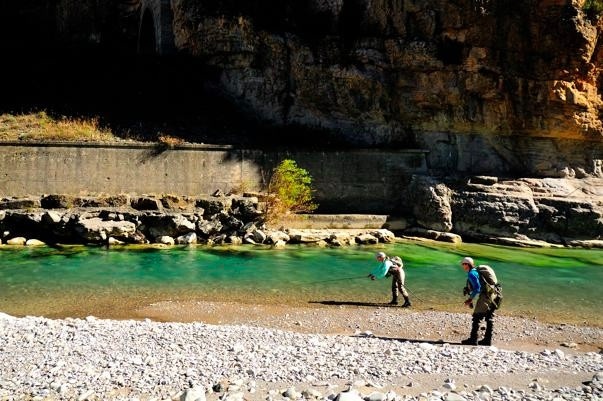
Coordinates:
(289, 191)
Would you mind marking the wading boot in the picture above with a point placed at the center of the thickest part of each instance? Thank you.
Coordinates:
(472, 340)
(487, 340)
(406, 302)
(394, 300)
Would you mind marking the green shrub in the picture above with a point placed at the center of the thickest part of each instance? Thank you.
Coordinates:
(289, 191)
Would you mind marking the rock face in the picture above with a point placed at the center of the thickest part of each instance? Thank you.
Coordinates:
(552, 210)
(488, 87)
(484, 85)
(493, 67)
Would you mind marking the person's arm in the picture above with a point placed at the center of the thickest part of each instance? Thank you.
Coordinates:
(381, 270)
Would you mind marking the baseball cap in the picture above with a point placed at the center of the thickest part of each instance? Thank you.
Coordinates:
(468, 260)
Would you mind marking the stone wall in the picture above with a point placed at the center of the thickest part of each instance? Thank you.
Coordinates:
(358, 181)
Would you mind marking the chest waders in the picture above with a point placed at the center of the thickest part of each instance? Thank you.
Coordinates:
(488, 301)
(398, 276)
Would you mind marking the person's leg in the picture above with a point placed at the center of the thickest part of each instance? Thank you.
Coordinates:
(394, 300)
(487, 340)
(472, 340)
(402, 277)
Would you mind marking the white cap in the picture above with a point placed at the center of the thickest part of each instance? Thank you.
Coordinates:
(469, 260)
(380, 255)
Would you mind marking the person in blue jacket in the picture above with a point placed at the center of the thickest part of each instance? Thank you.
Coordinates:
(391, 267)
(481, 282)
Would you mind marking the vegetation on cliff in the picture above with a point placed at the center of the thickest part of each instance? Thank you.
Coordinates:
(593, 8)
(43, 127)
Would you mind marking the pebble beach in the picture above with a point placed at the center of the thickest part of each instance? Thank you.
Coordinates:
(225, 351)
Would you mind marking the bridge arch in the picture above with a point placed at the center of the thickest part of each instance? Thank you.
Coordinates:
(155, 32)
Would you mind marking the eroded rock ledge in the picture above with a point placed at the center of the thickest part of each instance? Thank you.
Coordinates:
(559, 211)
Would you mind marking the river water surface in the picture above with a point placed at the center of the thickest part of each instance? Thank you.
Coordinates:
(555, 285)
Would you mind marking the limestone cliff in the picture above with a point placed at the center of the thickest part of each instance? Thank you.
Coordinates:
(486, 85)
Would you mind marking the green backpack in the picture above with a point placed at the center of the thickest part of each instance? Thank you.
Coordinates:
(488, 279)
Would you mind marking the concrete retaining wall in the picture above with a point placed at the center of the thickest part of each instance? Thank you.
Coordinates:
(359, 181)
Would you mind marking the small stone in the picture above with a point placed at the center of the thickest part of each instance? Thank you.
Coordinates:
(375, 396)
(311, 393)
(85, 395)
(292, 393)
(535, 386)
(352, 395)
(193, 394)
(454, 397)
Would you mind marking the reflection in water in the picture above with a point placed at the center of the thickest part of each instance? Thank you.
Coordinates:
(560, 285)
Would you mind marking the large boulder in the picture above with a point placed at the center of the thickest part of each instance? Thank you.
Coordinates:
(171, 225)
(98, 230)
(429, 201)
(569, 218)
(498, 210)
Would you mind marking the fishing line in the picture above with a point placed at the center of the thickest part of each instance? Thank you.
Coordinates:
(427, 302)
(364, 277)
(327, 281)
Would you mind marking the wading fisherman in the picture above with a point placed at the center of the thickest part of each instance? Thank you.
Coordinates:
(482, 281)
(391, 267)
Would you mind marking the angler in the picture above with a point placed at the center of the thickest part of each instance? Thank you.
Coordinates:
(392, 267)
(482, 281)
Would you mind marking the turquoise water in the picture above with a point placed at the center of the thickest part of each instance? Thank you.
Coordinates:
(556, 285)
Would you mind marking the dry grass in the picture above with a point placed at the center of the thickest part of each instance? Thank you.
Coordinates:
(169, 141)
(42, 127)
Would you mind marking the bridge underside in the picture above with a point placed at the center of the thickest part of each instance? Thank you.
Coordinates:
(155, 33)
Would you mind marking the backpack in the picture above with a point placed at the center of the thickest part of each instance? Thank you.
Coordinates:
(396, 261)
(489, 282)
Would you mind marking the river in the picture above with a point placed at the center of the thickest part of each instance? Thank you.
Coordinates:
(549, 284)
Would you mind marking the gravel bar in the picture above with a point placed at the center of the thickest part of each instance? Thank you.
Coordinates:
(96, 359)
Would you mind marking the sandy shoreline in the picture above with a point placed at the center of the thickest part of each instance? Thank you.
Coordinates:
(384, 321)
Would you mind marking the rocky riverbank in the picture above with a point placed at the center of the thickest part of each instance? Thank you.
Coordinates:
(526, 212)
(165, 220)
(93, 359)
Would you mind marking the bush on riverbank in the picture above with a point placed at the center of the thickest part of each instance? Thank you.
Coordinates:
(289, 191)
